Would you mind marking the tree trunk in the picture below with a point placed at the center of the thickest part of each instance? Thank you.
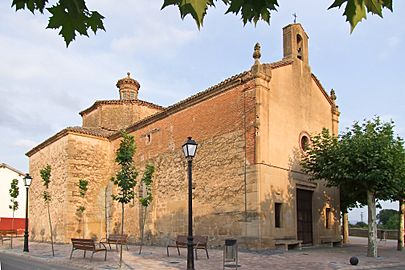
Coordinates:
(400, 245)
(106, 212)
(345, 227)
(50, 229)
(12, 228)
(122, 231)
(142, 228)
(372, 225)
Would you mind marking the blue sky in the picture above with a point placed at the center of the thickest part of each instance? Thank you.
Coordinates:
(43, 85)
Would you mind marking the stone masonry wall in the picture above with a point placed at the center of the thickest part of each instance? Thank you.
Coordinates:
(56, 155)
(89, 158)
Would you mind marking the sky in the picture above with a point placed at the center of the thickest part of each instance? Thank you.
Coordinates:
(44, 85)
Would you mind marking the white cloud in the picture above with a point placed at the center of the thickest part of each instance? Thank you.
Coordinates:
(25, 143)
(153, 40)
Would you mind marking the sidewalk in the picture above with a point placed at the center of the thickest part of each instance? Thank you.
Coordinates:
(155, 257)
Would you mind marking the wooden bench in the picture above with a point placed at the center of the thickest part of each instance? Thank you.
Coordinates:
(199, 242)
(116, 239)
(331, 241)
(87, 245)
(289, 242)
(7, 235)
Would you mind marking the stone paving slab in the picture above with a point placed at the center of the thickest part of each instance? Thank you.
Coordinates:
(153, 257)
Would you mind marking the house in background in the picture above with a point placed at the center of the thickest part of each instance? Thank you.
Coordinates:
(252, 130)
(7, 174)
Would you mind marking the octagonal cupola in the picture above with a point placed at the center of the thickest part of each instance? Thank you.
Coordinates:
(128, 88)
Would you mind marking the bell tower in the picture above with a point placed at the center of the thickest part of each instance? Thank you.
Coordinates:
(295, 42)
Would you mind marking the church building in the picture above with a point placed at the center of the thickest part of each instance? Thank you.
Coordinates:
(252, 130)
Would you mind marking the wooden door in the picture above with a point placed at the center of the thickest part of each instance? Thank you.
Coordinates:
(304, 215)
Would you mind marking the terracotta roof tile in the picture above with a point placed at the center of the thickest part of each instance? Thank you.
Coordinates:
(124, 101)
(97, 132)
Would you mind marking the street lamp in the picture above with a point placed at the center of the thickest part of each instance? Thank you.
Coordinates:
(189, 150)
(27, 182)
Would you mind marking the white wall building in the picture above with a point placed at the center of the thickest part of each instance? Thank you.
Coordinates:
(7, 174)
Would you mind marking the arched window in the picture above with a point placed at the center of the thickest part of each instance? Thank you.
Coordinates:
(299, 47)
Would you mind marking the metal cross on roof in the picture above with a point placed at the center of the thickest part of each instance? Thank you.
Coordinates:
(295, 17)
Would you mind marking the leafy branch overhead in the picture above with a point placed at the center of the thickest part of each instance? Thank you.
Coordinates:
(73, 17)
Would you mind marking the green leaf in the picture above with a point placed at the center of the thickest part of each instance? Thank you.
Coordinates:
(95, 21)
(31, 5)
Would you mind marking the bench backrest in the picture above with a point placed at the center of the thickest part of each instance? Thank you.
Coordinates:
(117, 237)
(181, 239)
(200, 240)
(8, 232)
(197, 239)
(84, 244)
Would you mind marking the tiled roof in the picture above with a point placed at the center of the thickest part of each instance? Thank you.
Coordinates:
(123, 101)
(97, 132)
(4, 165)
(213, 90)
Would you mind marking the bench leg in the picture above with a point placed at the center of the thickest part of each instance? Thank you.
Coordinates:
(105, 256)
(84, 256)
(91, 258)
(127, 246)
(71, 253)
(196, 256)
(206, 251)
(167, 251)
(178, 250)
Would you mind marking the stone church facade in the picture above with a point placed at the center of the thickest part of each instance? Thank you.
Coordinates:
(252, 129)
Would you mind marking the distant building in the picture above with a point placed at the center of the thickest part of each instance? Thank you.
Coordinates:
(7, 174)
(252, 130)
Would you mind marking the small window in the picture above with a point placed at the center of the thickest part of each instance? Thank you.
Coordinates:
(327, 218)
(304, 142)
(277, 214)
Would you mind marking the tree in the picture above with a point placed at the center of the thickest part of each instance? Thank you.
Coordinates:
(387, 218)
(14, 191)
(125, 178)
(83, 187)
(73, 17)
(45, 173)
(366, 158)
(146, 197)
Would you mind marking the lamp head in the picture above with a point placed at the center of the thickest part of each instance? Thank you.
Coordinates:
(189, 148)
(27, 180)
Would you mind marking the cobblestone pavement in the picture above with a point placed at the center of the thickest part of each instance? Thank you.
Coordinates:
(321, 257)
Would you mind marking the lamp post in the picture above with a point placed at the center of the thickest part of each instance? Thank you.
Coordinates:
(189, 150)
(27, 182)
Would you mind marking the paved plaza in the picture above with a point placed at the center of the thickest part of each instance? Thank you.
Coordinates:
(152, 257)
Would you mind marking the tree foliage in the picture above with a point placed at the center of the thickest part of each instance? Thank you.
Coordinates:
(388, 219)
(14, 191)
(147, 181)
(146, 198)
(73, 17)
(83, 187)
(125, 178)
(367, 161)
(46, 173)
